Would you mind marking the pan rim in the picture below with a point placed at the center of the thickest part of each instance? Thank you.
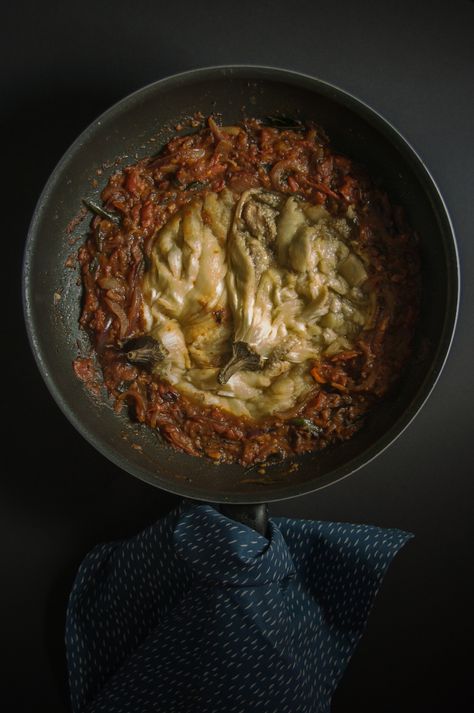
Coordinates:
(424, 390)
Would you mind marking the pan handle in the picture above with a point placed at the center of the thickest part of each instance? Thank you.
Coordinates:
(254, 516)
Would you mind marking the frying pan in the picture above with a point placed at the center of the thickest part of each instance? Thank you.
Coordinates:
(137, 126)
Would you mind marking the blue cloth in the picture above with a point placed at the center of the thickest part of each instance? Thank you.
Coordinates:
(200, 614)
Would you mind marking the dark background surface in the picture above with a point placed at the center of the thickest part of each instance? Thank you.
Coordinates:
(63, 64)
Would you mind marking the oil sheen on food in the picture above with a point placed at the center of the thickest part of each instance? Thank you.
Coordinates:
(267, 270)
(250, 293)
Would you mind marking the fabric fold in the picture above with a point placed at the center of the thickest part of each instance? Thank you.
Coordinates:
(200, 614)
(223, 551)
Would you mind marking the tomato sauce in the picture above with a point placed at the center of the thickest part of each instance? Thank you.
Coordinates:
(141, 198)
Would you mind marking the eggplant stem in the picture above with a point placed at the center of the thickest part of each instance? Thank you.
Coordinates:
(243, 358)
(145, 351)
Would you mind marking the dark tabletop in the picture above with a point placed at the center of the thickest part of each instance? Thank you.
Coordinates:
(63, 64)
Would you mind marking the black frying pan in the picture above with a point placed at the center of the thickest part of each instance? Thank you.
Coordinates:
(356, 130)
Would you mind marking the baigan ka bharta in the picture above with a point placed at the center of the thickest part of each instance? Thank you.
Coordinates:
(250, 292)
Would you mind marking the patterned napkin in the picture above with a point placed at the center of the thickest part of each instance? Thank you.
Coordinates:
(200, 614)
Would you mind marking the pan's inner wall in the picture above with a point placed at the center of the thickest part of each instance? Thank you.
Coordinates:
(126, 130)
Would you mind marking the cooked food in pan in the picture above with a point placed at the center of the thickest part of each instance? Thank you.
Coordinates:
(250, 292)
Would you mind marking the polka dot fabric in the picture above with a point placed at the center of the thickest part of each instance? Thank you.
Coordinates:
(200, 614)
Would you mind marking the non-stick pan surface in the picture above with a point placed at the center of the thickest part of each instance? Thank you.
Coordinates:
(137, 126)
